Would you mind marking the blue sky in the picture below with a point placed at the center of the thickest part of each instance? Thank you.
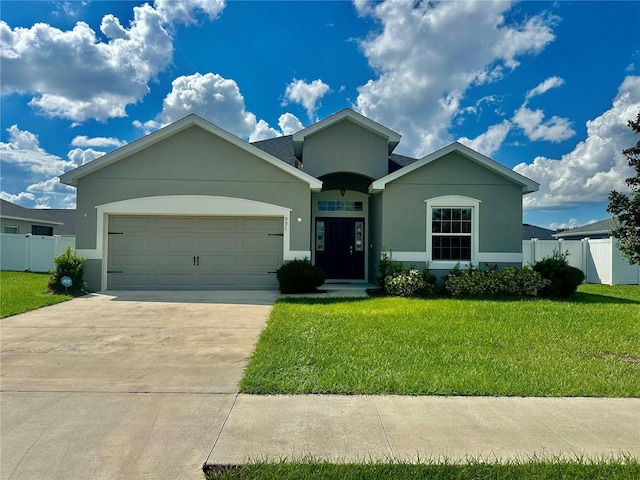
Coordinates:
(545, 88)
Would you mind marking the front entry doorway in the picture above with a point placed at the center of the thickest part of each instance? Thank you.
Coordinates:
(340, 246)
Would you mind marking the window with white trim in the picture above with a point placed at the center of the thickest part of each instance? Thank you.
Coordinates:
(451, 234)
(452, 230)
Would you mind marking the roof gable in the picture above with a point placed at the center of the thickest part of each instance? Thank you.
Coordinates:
(527, 184)
(392, 137)
(72, 177)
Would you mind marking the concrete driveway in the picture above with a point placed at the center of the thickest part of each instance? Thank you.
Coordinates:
(123, 385)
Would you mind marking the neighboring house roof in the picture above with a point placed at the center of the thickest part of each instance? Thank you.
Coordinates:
(67, 216)
(71, 177)
(603, 227)
(393, 138)
(16, 212)
(531, 231)
(527, 184)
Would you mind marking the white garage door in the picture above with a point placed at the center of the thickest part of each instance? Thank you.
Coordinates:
(193, 253)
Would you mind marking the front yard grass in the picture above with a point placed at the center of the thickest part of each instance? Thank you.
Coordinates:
(586, 346)
(24, 291)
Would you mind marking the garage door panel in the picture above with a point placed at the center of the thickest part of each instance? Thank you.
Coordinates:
(173, 280)
(121, 241)
(271, 261)
(158, 252)
(175, 260)
(172, 224)
(130, 223)
(262, 224)
(129, 281)
(121, 261)
(229, 261)
(218, 223)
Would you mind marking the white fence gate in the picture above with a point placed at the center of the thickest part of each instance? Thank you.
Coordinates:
(599, 259)
(33, 253)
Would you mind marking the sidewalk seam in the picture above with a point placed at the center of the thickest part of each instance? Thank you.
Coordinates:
(235, 399)
(384, 430)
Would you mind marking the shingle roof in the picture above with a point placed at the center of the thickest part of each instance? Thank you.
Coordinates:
(531, 231)
(11, 210)
(68, 218)
(279, 147)
(601, 227)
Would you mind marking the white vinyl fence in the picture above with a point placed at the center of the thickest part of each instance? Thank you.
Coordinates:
(33, 253)
(599, 259)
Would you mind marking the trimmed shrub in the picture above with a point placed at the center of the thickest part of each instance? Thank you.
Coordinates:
(563, 278)
(300, 276)
(68, 264)
(510, 282)
(406, 284)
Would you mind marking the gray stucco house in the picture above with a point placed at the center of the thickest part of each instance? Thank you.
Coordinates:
(192, 206)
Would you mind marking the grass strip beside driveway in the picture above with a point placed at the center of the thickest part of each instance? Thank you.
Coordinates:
(24, 291)
(623, 469)
(587, 346)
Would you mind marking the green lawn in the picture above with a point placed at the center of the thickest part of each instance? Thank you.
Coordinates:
(586, 346)
(24, 291)
(624, 469)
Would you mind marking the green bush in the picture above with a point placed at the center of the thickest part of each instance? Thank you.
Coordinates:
(68, 264)
(300, 276)
(406, 284)
(387, 266)
(396, 279)
(510, 282)
(563, 278)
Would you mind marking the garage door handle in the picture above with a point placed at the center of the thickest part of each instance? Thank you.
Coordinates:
(194, 260)
(198, 260)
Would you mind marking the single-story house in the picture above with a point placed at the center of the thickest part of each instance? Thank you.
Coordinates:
(601, 229)
(20, 220)
(192, 206)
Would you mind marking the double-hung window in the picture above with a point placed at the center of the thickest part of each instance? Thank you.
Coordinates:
(452, 229)
(451, 233)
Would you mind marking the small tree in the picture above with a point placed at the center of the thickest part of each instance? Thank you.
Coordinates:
(68, 264)
(627, 207)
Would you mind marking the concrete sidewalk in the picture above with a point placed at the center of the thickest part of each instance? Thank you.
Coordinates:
(361, 428)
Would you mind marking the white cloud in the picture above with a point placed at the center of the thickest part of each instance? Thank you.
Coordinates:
(79, 156)
(23, 150)
(306, 94)
(428, 54)
(218, 100)
(532, 122)
(99, 79)
(289, 124)
(84, 141)
(490, 141)
(596, 165)
(572, 223)
(23, 159)
(548, 84)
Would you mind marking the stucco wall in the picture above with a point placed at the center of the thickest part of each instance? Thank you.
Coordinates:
(405, 216)
(345, 147)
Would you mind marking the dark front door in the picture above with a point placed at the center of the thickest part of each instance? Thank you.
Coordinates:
(340, 247)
